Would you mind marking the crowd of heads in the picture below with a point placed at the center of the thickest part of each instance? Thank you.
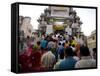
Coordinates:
(55, 52)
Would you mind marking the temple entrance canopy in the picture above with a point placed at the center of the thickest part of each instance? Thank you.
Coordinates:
(58, 27)
(59, 18)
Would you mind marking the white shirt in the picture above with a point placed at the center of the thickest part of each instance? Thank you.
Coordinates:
(86, 62)
(79, 40)
(54, 37)
(63, 41)
(56, 66)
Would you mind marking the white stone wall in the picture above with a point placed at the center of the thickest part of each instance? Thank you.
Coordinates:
(59, 11)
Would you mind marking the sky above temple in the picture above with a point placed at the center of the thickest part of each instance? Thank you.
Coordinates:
(87, 16)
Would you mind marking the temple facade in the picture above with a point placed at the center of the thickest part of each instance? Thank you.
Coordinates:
(59, 19)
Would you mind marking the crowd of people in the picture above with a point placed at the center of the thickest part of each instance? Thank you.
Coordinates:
(55, 52)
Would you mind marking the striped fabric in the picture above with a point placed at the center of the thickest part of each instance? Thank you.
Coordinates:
(48, 59)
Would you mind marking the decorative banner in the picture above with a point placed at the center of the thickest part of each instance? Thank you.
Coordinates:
(58, 27)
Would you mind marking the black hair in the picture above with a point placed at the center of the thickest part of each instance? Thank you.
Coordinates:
(84, 51)
(38, 42)
(72, 38)
(69, 51)
(58, 36)
(95, 50)
(62, 55)
(66, 41)
(70, 45)
(70, 41)
(28, 37)
(73, 45)
(63, 44)
(59, 43)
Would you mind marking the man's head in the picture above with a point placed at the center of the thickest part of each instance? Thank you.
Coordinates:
(59, 43)
(63, 44)
(38, 42)
(68, 52)
(84, 51)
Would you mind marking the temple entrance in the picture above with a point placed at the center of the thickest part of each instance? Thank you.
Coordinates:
(60, 31)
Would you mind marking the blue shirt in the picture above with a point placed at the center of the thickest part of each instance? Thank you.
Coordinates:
(67, 63)
(43, 44)
(60, 49)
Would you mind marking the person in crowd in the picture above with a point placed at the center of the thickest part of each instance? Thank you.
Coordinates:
(68, 62)
(69, 30)
(79, 40)
(48, 60)
(25, 45)
(29, 51)
(63, 41)
(78, 49)
(53, 48)
(91, 52)
(37, 46)
(59, 38)
(60, 49)
(43, 36)
(51, 44)
(72, 41)
(66, 44)
(67, 36)
(86, 60)
(56, 66)
(73, 47)
(75, 56)
(94, 53)
(48, 38)
(54, 37)
(44, 43)
(35, 61)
